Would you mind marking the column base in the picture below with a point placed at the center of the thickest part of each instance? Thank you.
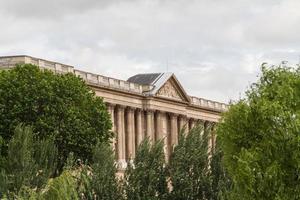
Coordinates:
(121, 164)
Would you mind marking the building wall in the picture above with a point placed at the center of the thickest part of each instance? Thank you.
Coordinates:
(135, 114)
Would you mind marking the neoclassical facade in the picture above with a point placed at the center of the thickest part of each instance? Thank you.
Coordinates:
(146, 105)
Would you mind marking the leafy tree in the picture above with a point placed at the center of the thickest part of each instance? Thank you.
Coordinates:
(55, 105)
(260, 137)
(99, 181)
(189, 166)
(29, 163)
(105, 183)
(61, 188)
(146, 178)
(221, 183)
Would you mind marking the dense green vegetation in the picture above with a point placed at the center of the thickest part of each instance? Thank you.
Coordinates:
(147, 177)
(257, 154)
(260, 138)
(55, 106)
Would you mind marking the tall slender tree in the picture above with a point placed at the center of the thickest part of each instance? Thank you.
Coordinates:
(146, 178)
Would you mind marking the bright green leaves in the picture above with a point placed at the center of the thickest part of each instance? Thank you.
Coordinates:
(260, 137)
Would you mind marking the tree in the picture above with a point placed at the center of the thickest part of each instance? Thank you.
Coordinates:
(99, 181)
(196, 170)
(221, 183)
(260, 137)
(146, 177)
(61, 188)
(54, 105)
(29, 163)
(189, 166)
(105, 183)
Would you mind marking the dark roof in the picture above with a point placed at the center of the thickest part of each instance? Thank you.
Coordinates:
(144, 79)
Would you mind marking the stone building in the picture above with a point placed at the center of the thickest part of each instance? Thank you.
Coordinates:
(146, 105)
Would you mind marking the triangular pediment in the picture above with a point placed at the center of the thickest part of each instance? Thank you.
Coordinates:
(172, 89)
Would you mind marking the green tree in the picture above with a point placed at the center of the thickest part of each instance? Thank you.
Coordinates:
(196, 170)
(29, 163)
(55, 105)
(61, 188)
(99, 181)
(221, 182)
(189, 166)
(104, 181)
(260, 137)
(146, 178)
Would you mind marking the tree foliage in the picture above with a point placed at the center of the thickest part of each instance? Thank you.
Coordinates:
(260, 137)
(61, 188)
(59, 106)
(29, 163)
(189, 166)
(100, 181)
(104, 181)
(195, 169)
(146, 177)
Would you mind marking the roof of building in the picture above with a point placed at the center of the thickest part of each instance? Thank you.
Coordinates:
(144, 79)
(162, 85)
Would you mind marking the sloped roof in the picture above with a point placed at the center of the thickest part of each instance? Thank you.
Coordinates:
(157, 81)
(144, 79)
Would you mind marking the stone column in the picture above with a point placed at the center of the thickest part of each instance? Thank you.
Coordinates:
(111, 111)
(174, 129)
(182, 123)
(192, 123)
(139, 127)
(161, 130)
(130, 135)
(150, 125)
(121, 137)
(213, 137)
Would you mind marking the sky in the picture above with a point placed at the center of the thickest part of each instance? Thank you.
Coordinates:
(214, 47)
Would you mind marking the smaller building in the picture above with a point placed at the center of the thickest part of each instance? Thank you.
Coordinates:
(146, 105)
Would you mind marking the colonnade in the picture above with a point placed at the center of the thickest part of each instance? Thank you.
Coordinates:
(132, 125)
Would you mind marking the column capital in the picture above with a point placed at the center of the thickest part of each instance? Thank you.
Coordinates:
(139, 110)
(130, 109)
(160, 111)
(120, 106)
(173, 115)
(110, 104)
(182, 116)
(150, 111)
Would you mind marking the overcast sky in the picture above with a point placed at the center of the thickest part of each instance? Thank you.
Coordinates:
(214, 47)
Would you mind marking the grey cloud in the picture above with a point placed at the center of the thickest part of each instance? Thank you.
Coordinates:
(52, 8)
(214, 47)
